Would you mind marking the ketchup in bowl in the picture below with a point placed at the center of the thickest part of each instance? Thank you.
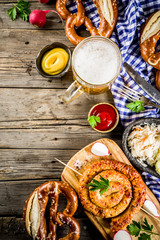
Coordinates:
(108, 115)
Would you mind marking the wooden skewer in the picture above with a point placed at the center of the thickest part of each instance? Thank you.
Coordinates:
(82, 175)
(68, 166)
(150, 214)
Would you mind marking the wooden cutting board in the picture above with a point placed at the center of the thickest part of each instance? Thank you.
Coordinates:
(85, 158)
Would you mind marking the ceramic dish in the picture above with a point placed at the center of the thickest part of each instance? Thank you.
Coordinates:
(46, 49)
(110, 112)
(126, 150)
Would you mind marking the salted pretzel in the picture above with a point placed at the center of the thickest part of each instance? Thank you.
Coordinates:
(62, 10)
(70, 29)
(149, 36)
(34, 213)
(108, 14)
(121, 201)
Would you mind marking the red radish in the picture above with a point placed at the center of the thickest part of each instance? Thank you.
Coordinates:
(43, 1)
(151, 207)
(122, 235)
(38, 17)
(99, 149)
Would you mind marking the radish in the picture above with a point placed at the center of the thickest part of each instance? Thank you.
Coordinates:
(122, 235)
(38, 17)
(99, 149)
(43, 1)
(151, 207)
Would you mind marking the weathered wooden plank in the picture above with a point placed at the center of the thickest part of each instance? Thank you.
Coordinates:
(41, 124)
(32, 104)
(58, 137)
(13, 228)
(16, 42)
(30, 163)
(53, 20)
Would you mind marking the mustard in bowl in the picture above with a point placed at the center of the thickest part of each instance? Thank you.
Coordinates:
(54, 60)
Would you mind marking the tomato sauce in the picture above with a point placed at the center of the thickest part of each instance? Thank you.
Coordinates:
(107, 116)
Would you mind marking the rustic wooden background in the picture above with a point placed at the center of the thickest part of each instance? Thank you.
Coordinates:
(35, 125)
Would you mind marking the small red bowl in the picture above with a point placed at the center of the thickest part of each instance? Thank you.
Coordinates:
(108, 115)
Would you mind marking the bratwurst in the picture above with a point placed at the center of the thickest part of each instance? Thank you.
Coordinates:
(121, 201)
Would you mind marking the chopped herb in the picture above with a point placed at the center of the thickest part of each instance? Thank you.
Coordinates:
(135, 229)
(103, 185)
(136, 106)
(93, 120)
(21, 8)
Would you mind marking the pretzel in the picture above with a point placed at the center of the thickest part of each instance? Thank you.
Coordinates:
(62, 10)
(121, 201)
(34, 213)
(108, 14)
(149, 36)
(157, 81)
(70, 30)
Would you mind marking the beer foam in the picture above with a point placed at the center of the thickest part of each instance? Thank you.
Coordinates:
(97, 61)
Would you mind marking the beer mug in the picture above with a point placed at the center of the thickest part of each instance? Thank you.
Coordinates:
(96, 63)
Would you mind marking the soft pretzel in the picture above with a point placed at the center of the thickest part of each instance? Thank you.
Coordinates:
(62, 10)
(124, 198)
(70, 29)
(34, 213)
(149, 36)
(108, 13)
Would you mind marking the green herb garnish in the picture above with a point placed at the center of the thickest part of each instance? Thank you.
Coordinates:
(103, 185)
(136, 106)
(93, 120)
(144, 231)
(20, 8)
(134, 228)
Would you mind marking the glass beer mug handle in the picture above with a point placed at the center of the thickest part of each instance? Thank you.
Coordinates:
(72, 92)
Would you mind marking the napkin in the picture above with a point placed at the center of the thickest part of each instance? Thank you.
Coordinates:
(153, 183)
(131, 15)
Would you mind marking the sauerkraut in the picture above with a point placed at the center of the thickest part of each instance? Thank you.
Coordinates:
(144, 143)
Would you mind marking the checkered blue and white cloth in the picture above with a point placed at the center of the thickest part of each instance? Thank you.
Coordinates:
(131, 15)
(153, 183)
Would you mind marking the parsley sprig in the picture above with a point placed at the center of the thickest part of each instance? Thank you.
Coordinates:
(144, 231)
(93, 120)
(136, 106)
(20, 8)
(103, 185)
